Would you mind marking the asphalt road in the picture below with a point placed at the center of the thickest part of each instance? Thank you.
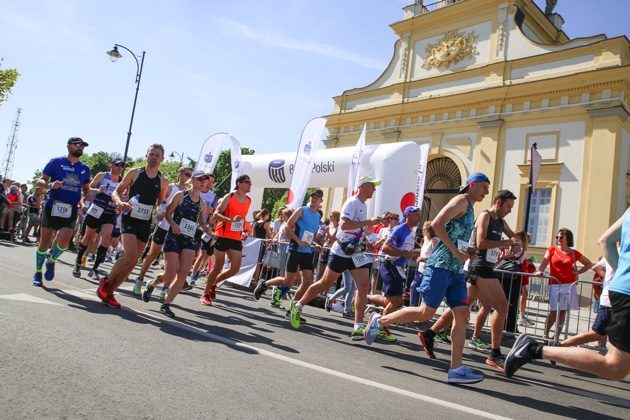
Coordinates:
(63, 354)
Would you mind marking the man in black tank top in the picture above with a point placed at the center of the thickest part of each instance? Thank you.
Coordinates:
(144, 186)
(483, 282)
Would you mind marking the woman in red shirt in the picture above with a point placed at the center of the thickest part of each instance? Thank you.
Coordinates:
(562, 261)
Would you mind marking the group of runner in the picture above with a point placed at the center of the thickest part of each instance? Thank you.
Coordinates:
(188, 217)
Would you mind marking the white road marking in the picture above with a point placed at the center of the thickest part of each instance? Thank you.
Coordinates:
(23, 297)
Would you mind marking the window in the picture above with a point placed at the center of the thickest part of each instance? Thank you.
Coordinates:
(539, 217)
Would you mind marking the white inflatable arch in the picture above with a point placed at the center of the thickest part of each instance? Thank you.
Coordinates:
(395, 164)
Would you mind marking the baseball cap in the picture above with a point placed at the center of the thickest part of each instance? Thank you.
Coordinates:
(198, 173)
(411, 209)
(474, 177)
(77, 140)
(318, 193)
(368, 180)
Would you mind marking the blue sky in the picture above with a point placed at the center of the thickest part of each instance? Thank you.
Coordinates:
(256, 69)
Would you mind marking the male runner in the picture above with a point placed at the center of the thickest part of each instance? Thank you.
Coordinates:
(444, 276)
(100, 217)
(34, 202)
(145, 186)
(347, 253)
(65, 177)
(231, 230)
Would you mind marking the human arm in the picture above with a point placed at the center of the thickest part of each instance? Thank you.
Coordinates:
(170, 209)
(608, 243)
(290, 229)
(124, 185)
(543, 264)
(586, 264)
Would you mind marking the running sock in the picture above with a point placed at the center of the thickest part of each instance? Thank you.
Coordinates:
(80, 252)
(101, 252)
(299, 306)
(359, 325)
(429, 333)
(40, 258)
(283, 291)
(536, 351)
(495, 352)
(56, 253)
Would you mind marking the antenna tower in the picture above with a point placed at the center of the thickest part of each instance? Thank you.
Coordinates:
(9, 156)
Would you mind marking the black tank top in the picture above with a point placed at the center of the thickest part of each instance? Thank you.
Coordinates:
(493, 233)
(189, 209)
(259, 229)
(147, 188)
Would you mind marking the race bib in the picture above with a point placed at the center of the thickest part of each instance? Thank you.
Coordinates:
(360, 259)
(237, 226)
(462, 245)
(60, 209)
(492, 255)
(95, 211)
(205, 237)
(141, 211)
(307, 236)
(188, 227)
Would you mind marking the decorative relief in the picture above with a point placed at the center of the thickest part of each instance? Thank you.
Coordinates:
(451, 49)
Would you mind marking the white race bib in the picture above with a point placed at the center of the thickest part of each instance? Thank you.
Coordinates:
(205, 237)
(307, 236)
(60, 209)
(95, 211)
(462, 245)
(141, 211)
(492, 255)
(188, 227)
(360, 259)
(237, 226)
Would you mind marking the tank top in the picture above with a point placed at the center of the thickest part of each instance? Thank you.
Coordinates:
(147, 188)
(305, 228)
(174, 190)
(234, 208)
(259, 229)
(458, 231)
(487, 257)
(621, 281)
(104, 199)
(189, 210)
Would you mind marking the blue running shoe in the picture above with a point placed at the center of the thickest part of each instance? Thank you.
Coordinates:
(372, 328)
(49, 274)
(464, 375)
(37, 279)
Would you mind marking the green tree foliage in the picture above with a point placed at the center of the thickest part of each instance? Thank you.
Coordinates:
(223, 171)
(8, 78)
(273, 201)
(99, 161)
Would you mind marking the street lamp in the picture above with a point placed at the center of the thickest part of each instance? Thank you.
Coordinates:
(179, 155)
(114, 55)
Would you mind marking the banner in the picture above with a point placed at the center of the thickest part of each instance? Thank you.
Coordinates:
(210, 151)
(237, 161)
(251, 248)
(536, 164)
(422, 173)
(355, 165)
(309, 143)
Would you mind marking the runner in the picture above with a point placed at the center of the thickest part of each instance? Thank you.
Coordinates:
(300, 229)
(616, 363)
(397, 250)
(347, 253)
(184, 214)
(65, 177)
(34, 202)
(159, 234)
(145, 186)
(483, 282)
(231, 230)
(444, 276)
(101, 216)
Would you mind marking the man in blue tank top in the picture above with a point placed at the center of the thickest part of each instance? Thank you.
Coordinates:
(616, 363)
(64, 177)
(443, 276)
(301, 229)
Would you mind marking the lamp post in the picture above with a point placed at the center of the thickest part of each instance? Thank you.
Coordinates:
(179, 155)
(114, 55)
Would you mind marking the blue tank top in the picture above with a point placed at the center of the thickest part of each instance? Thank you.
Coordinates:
(621, 282)
(308, 222)
(458, 230)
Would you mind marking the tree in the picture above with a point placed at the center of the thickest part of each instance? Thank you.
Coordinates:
(8, 78)
(99, 161)
(223, 171)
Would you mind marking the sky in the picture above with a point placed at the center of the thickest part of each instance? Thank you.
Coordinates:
(259, 70)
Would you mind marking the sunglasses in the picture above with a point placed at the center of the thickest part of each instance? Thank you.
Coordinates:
(187, 174)
(79, 145)
(120, 164)
(559, 237)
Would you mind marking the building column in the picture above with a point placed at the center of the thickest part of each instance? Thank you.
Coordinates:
(488, 157)
(600, 178)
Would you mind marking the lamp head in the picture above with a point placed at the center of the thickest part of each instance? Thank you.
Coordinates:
(114, 54)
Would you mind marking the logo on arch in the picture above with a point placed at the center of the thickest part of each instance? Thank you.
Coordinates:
(276, 171)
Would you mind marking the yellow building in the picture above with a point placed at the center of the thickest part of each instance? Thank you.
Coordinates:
(481, 81)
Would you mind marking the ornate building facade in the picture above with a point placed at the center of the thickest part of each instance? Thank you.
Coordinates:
(480, 81)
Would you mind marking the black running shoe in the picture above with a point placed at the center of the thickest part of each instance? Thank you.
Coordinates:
(328, 304)
(427, 344)
(76, 271)
(166, 310)
(260, 289)
(148, 290)
(519, 355)
(186, 287)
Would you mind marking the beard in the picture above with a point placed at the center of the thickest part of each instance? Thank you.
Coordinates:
(77, 153)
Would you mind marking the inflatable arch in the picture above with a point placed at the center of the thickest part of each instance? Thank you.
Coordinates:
(395, 164)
